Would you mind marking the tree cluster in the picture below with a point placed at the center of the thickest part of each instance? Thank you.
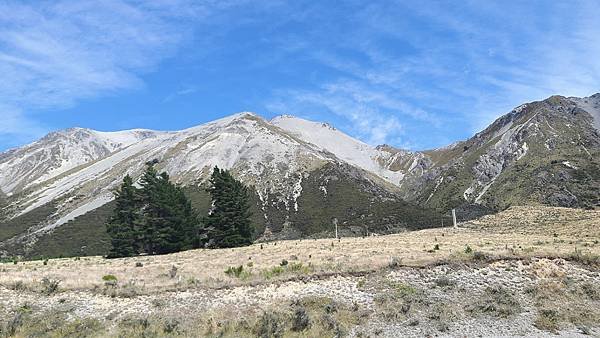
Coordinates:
(158, 218)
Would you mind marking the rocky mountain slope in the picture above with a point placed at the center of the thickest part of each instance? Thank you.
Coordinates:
(306, 175)
(72, 173)
(545, 152)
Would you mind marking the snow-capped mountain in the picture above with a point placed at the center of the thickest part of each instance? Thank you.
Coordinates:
(306, 174)
(341, 145)
(77, 170)
(59, 152)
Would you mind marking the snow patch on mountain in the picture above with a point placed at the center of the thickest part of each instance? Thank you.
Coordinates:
(592, 106)
(341, 145)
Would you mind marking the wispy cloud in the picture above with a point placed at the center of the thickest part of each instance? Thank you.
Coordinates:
(351, 102)
(181, 92)
(452, 65)
(413, 75)
(55, 53)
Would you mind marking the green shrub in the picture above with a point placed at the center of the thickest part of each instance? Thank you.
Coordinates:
(299, 268)
(109, 278)
(233, 271)
(238, 272)
(273, 272)
(468, 249)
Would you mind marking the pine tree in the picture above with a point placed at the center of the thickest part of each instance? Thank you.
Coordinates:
(228, 225)
(170, 223)
(124, 224)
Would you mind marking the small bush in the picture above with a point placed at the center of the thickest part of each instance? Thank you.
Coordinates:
(13, 326)
(468, 249)
(284, 262)
(404, 290)
(173, 271)
(547, 319)
(496, 301)
(18, 286)
(444, 282)
(50, 286)
(436, 247)
(270, 324)
(171, 326)
(139, 264)
(395, 262)
(300, 320)
(479, 256)
(299, 268)
(238, 272)
(110, 280)
(233, 271)
(273, 272)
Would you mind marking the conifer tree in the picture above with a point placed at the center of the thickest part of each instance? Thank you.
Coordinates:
(170, 223)
(228, 224)
(124, 224)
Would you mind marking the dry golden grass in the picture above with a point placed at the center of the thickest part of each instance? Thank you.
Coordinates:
(519, 231)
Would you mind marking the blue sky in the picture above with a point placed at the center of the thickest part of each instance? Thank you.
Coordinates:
(413, 74)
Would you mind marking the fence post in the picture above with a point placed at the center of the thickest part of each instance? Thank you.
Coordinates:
(454, 218)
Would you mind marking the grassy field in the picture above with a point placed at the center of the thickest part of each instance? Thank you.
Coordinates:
(273, 287)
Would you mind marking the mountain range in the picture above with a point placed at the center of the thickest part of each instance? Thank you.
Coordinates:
(56, 193)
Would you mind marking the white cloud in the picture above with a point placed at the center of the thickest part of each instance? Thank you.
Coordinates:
(461, 65)
(55, 53)
(181, 92)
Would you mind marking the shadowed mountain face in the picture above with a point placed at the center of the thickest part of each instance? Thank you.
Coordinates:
(305, 175)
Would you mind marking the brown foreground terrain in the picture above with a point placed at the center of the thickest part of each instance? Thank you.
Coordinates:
(528, 271)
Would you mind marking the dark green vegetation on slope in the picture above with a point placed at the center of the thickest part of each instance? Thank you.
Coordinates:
(21, 224)
(84, 236)
(545, 152)
(360, 206)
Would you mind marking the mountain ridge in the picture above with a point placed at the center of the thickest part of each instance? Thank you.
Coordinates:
(542, 152)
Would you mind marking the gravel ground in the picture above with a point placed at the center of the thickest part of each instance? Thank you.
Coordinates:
(451, 287)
